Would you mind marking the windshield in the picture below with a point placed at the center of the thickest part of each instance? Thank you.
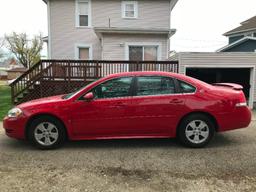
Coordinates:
(69, 95)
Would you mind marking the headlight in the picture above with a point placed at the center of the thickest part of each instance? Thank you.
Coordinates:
(15, 112)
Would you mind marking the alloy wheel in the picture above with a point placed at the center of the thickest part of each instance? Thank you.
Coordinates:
(197, 131)
(46, 133)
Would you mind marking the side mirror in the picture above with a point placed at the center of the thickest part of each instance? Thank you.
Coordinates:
(89, 96)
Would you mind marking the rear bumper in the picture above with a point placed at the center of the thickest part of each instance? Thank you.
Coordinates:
(15, 127)
(239, 118)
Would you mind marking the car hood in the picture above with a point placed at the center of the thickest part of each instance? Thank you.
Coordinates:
(43, 101)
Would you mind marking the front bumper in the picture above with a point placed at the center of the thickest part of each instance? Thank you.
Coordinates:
(15, 127)
(239, 118)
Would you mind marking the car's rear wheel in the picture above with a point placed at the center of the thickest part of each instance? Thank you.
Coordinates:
(46, 133)
(196, 130)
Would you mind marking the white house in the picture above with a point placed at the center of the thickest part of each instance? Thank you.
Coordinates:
(109, 29)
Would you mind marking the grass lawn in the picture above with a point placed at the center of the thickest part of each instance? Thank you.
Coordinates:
(5, 100)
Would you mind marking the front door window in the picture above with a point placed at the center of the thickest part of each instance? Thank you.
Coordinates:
(120, 87)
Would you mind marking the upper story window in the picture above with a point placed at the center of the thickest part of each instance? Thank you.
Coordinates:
(129, 9)
(83, 13)
(248, 34)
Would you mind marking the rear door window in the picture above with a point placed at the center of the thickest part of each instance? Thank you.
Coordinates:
(155, 85)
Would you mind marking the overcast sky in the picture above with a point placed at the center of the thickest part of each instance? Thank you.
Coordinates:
(23, 16)
(199, 23)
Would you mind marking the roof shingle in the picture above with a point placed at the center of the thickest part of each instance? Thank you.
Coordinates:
(248, 25)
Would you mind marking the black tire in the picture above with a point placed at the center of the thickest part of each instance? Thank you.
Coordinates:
(58, 128)
(186, 125)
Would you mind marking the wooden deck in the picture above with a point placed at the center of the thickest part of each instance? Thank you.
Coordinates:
(53, 77)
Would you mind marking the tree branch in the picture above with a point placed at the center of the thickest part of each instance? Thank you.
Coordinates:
(26, 51)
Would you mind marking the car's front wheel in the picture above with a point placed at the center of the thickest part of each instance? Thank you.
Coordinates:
(46, 132)
(196, 130)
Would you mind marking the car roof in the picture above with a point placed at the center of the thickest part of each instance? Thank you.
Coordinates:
(148, 73)
(141, 73)
(159, 73)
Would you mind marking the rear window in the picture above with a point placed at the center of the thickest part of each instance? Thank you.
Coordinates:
(186, 88)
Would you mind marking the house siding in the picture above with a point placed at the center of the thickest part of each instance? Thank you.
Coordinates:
(247, 46)
(115, 44)
(218, 60)
(64, 34)
(151, 14)
(235, 38)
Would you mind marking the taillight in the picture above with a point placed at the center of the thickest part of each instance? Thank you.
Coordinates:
(242, 100)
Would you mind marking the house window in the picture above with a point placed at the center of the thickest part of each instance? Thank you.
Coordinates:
(83, 53)
(143, 53)
(130, 9)
(82, 13)
(248, 35)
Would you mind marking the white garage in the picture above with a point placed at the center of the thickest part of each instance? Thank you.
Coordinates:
(214, 67)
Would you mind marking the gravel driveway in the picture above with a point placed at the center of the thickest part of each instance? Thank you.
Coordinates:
(227, 164)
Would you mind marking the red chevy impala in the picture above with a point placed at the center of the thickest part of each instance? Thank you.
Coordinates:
(132, 105)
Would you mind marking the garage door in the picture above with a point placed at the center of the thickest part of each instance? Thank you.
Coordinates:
(220, 75)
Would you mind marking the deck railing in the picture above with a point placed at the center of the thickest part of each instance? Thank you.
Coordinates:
(74, 73)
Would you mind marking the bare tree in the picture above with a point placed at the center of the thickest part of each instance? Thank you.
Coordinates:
(25, 50)
(1, 46)
(1, 42)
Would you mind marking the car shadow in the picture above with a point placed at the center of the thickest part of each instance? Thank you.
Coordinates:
(9, 143)
(220, 140)
(124, 143)
(223, 140)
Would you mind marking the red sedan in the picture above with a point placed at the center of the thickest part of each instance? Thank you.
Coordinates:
(132, 105)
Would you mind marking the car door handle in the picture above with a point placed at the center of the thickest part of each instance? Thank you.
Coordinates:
(176, 101)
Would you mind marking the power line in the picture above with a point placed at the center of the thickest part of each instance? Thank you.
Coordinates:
(198, 40)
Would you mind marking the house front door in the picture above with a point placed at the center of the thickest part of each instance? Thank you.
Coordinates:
(135, 54)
